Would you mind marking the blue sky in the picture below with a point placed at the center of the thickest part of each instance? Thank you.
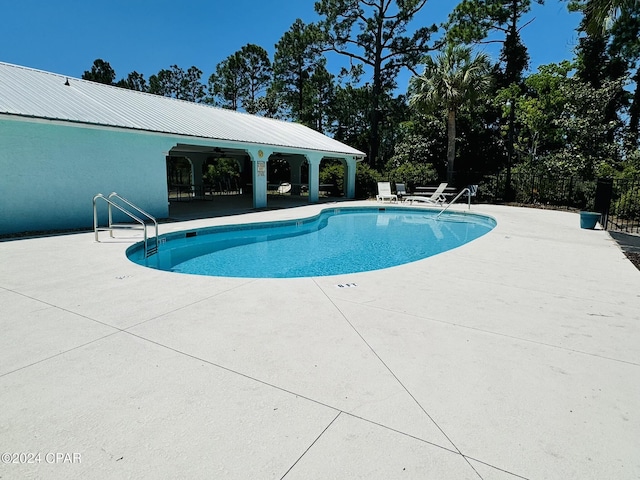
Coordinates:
(66, 36)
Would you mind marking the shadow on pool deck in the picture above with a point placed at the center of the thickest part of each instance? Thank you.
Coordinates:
(179, 211)
(226, 205)
(628, 242)
(630, 245)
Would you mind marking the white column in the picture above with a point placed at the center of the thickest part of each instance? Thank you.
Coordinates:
(197, 161)
(314, 160)
(259, 157)
(350, 177)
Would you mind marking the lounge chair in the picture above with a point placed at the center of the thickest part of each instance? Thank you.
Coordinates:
(384, 192)
(436, 198)
(400, 190)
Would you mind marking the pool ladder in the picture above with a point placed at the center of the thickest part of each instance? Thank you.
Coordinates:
(150, 244)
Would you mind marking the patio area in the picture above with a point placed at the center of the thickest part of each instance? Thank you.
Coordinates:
(514, 356)
(231, 205)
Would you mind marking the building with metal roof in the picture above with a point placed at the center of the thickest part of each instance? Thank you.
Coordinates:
(64, 139)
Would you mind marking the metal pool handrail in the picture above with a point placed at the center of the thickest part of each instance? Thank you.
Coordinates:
(148, 251)
(466, 189)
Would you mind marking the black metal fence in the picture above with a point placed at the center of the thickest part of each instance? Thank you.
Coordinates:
(536, 189)
(618, 200)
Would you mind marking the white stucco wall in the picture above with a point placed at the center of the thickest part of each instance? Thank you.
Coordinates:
(49, 172)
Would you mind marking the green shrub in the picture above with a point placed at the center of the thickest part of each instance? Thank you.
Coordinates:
(366, 181)
(413, 175)
(366, 178)
(332, 173)
(221, 173)
(628, 205)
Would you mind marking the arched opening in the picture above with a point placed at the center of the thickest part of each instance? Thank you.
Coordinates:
(332, 177)
(278, 170)
(221, 175)
(292, 169)
(199, 172)
(179, 177)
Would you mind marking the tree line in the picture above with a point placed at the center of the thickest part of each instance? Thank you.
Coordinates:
(464, 115)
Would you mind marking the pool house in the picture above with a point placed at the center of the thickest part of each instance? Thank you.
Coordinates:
(63, 140)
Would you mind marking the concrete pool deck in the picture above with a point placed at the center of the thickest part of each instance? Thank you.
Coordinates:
(514, 356)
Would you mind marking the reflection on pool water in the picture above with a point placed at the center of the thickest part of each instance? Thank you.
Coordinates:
(337, 241)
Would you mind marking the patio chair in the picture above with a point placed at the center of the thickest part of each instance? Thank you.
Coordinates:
(284, 188)
(473, 190)
(436, 198)
(401, 190)
(384, 193)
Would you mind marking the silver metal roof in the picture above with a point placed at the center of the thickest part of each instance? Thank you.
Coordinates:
(35, 93)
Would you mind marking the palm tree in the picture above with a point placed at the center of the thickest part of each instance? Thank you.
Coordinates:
(600, 12)
(452, 79)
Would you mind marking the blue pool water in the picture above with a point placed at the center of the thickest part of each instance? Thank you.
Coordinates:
(337, 241)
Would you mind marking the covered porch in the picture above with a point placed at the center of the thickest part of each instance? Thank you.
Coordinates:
(258, 172)
(237, 204)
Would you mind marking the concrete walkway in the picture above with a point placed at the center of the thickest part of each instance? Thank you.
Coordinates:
(514, 356)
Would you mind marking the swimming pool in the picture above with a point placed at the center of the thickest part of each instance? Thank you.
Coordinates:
(336, 241)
